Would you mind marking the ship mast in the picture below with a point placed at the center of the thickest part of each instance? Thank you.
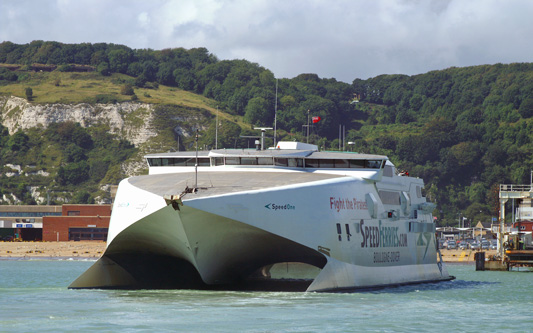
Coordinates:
(276, 114)
(196, 163)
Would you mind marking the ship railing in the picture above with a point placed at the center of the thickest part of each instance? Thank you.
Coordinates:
(516, 187)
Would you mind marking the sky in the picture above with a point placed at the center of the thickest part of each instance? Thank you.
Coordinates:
(341, 39)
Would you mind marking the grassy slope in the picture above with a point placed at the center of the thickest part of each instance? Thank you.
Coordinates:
(80, 87)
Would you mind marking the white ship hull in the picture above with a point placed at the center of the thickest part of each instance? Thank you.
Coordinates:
(232, 230)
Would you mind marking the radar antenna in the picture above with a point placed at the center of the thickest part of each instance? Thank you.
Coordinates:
(259, 145)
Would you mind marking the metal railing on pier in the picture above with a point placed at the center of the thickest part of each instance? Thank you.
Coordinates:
(516, 188)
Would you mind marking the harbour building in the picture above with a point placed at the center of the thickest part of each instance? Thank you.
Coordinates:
(54, 222)
(25, 221)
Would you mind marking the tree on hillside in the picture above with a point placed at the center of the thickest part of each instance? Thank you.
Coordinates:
(526, 108)
(150, 68)
(127, 90)
(4, 136)
(73, 173)
(18, 141)
(165, 74)
(119, 60)
(29, 94)
(7, 75)
(82, 197)
(103, 68)
(68, 133)
(257, 112)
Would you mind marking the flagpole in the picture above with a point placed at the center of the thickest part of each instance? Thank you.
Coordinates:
(343, 137)
(308, 126)
(340, 139)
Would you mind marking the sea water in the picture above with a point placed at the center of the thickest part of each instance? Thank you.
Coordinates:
(34, 297)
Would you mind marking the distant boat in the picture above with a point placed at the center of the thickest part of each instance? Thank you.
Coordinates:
(352, 216)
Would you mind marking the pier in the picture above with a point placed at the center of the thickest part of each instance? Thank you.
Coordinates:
(515, 242)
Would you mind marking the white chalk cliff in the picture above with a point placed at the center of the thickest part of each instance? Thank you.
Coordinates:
(17, 113)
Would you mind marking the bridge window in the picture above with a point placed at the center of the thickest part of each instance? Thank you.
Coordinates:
(281, 162)
(342, 163)
(242, 161)
(204, 162)
(187, 161)
(233, 160)
(373, 164)
(289, 162)
(154, 162)
(296, 162)
(311, 163)
(357, 164)
(248, 161)
(326, 163)
(265, 161)
(218, 161)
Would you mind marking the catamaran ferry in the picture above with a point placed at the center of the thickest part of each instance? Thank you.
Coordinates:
(223, 218)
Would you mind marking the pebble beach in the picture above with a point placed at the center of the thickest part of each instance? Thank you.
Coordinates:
(29, 250)
(95, 249)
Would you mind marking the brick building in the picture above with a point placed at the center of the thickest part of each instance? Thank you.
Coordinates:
(523, 226)
(78, 222)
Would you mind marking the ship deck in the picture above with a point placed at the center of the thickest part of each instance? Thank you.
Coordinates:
(212, 183)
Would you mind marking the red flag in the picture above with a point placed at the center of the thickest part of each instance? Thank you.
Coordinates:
(316, 119)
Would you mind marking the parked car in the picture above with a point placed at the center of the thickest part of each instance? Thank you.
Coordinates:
(475, 245)
(463, 245)
(452, 245)
(485, 245)
(493, 244)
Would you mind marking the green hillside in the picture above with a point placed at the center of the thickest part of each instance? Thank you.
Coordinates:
(463, 130)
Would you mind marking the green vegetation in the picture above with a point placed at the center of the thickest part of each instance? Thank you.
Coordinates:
(29, 94)
(78, 159)
(464, 130)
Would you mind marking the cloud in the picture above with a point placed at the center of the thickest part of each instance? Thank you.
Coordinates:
(344, 39)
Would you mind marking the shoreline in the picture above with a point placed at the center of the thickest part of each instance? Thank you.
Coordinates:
(464, 256)
(52, 250)
(95, 249)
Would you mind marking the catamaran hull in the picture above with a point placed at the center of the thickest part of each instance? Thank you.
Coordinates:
(226, 241)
